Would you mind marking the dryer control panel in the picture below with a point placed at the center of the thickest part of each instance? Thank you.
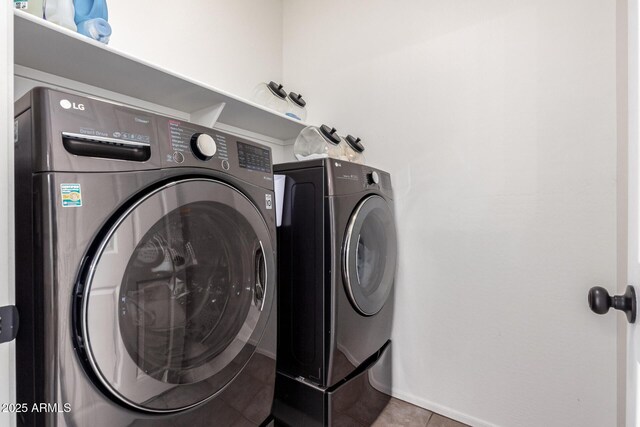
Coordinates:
(348, 178)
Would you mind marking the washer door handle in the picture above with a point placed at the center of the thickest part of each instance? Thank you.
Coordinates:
(260, 277)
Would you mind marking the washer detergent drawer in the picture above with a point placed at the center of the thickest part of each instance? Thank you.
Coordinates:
(106, 148)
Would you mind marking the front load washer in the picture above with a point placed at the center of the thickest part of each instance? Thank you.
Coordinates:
(337, 261)
(145, 268)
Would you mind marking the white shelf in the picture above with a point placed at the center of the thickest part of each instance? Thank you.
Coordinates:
(52, 49)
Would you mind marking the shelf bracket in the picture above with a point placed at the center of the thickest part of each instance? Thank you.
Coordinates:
(207, 116)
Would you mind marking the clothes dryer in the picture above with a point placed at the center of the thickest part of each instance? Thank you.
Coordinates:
(337, 262)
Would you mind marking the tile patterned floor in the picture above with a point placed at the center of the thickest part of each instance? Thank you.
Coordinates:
(240, 404)
(398, 413)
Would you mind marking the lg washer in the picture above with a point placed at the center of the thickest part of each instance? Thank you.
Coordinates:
(145, 268)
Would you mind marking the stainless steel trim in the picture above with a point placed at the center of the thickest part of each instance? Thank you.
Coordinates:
(91, 274)
(305, 381)
(346, 265)
(345, 254)
(266, 276)
(105, 139)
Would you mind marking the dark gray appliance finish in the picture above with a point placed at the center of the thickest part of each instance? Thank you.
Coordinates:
(336, 262)
(145, 276)
(354, 401)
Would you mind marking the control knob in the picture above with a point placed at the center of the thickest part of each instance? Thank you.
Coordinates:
(373, 178)
(203, 146)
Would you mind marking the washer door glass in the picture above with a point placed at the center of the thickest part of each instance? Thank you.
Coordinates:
(369, 255)
(177, 295)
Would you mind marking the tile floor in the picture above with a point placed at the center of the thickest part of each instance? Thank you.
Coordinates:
(246, 410)
(402, 414)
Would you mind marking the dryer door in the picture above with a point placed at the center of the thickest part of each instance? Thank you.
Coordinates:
(175, 296)
(369, 255)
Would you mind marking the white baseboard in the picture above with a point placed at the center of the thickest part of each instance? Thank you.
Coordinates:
(441, 409)
(427, 404)
(381, 387)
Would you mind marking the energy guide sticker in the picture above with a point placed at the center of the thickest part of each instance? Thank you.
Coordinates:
(71, 195)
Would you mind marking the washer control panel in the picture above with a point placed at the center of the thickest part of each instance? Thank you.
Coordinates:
(185, 144)
(187, 140)
(88, 134)
(253, 157)
(203, 146)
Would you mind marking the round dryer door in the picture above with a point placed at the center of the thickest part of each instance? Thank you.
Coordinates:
(176, 296)
(369, 255)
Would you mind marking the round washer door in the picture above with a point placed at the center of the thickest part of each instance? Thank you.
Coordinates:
(369, 255)
(177, 295)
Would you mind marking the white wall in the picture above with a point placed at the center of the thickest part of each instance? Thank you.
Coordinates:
(7, 293)
(231, 45)
(497, 120)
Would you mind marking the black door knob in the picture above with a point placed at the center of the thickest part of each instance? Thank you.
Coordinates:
(600, 301)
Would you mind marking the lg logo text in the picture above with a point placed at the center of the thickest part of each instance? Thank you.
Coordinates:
(66, 104)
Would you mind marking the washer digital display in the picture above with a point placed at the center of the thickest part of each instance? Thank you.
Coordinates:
(254, 158)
